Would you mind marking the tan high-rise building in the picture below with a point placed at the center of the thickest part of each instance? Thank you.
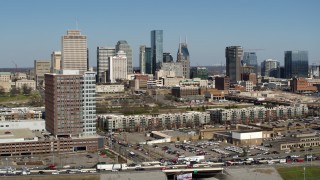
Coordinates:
(41, 67)
(74, 51)
(55, 61)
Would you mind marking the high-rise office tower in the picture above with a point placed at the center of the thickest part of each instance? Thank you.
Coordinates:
(118, 67)
(296, 64)
(183, 57)
(250, 59)
(70, 103)
(315, 71)
(41, 67)
(233, 63)
(55, 61)
(103, 55)
(167, 58)
(74, 51)
(156, 49)
(270, 68)
(145, 60)
(125, 47)
(142, 59)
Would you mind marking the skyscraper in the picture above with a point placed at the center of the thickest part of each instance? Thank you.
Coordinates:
(55, 61)
(123, 45)
(145, 60)
(70, 104)
(199, 72)
(183, 57)
(103, 55)
(270, 68)
(233, 63)
(156, 49)
(74, 51)
(118, 67)
(250, 59)
(296, 64)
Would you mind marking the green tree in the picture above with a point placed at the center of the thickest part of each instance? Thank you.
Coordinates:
(26, 89)
(36, 100)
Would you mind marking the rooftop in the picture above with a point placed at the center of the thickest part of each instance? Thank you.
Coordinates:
(16, 133)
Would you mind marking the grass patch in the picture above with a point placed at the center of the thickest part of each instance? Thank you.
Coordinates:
(19, 97)
(296, 173)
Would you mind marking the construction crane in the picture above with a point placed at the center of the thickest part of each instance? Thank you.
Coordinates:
(15, 71)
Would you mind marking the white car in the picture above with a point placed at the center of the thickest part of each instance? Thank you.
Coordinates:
(55, 172)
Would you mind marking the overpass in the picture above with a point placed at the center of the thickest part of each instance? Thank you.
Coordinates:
(196, 172)
(256, 101)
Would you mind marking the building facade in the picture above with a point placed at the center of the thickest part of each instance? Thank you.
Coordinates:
(55, 61)
(125, 47)
(145, 60)
(250, 58)
(5, 76)
(257, 114)
(199, 72)
(118, 67)
(153, 122)
(233, 63)
(301, 85)
(103, 55)
(70, 104)
(167, 58)
(74, 51)
(222, 83)
(296, 64)
(40, 68)
(270, 68)
(156, 49)
(183, 57)
(28, 83)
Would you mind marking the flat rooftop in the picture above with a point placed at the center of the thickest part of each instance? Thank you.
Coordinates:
(16, 133)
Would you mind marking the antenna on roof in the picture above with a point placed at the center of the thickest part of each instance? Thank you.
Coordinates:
(76, 23)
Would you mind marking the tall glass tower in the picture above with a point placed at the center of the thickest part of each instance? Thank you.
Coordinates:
(233, 63)
(145, 60)
(296, 64)
(103, 55)
(156, 49)
(250, 59)
(123, 45)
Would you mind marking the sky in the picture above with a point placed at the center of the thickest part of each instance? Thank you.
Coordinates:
(31, 30)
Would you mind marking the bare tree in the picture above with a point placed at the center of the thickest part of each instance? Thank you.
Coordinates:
(26, 89)
(14, 91)
(2, 91)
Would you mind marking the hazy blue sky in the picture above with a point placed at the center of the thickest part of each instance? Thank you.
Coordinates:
(32, 29)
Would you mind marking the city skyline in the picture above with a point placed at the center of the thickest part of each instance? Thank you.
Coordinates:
(210, 26)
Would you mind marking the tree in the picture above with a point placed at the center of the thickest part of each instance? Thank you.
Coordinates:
(26, 89)
(36, 100)
(2, 91)
(14, 91)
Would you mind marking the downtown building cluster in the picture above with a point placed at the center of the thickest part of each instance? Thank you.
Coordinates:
(70, 106)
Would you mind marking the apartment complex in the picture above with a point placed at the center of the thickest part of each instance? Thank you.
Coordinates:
(153, 122)
(70, 103)
(257, 114)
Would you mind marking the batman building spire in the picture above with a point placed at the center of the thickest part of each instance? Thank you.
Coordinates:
(183, 57)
